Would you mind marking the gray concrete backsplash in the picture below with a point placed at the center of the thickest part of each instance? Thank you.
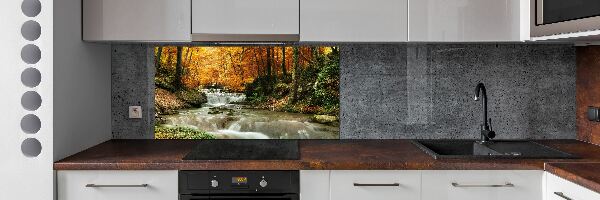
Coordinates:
(132, 84)
(392, 91)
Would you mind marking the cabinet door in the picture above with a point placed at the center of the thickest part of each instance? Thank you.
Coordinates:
(375, 185)
(468, 20)
(245, 20)
(117, 185)
(354, 20)
(560, 189)
(482, 184)
(314, 185)
(136, 20)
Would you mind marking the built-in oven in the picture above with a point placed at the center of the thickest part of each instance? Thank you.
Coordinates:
(238, 185)
(552, 17)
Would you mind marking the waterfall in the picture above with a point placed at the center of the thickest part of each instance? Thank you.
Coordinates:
(218, 98)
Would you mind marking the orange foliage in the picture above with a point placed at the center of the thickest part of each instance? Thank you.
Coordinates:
(232, 67)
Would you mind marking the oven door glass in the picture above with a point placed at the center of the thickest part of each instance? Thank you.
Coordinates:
(554, 11)
(244, 197)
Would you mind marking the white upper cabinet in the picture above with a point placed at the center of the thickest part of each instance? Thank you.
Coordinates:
(307, 20)
(245, 20)
(353, 20)
(468, 20)
(136, 20)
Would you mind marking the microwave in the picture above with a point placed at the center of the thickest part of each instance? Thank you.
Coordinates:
(554, 17)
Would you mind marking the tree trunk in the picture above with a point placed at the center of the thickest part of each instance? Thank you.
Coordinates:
(240, 65)
(188, 56)
(263, 65)
(283, 70)
(157, 58)
(273, 65)
(257, 63)
(178, 70)
(295, 75)
(269, 62)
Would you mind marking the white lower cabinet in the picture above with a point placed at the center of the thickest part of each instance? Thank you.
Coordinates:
(314, 184)
(482, 185)
(375, 185)
(117, 185)
(560, 189)
(341, 185)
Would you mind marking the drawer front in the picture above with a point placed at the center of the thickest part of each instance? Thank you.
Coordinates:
(560, 189)
(116, 185)
(375, 185)
(482, 184)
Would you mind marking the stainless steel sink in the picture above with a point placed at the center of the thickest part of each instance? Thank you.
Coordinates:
(495, 149)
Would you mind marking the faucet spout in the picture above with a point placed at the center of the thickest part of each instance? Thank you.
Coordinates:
(480, 94)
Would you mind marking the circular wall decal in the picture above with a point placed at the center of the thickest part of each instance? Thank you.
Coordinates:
(31, 54)
(30, 124)
(31, 100)
(31, 77)
(31, 8)
(31, 30)
(31, 147)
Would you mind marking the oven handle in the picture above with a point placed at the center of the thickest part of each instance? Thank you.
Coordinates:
(249, 196)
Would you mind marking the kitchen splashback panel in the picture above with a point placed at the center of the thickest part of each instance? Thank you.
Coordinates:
(410, 91)
(246, 92)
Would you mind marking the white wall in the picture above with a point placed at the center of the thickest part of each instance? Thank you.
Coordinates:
(24, 177)
(82, 97)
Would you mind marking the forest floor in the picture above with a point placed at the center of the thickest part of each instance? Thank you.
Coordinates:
(166, 102)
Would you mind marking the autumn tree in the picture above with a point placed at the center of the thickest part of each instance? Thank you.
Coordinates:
(301, 77)
(295, 74)
(157, 59)
(283, 70)
(269, 62)
(178, 70)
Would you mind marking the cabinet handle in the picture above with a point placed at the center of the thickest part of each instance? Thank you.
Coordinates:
(560, 194)
(492, 185)
(376, 185)
(115, 186)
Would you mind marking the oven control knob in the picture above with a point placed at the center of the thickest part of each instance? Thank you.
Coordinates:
(214, 183)
(263, 183)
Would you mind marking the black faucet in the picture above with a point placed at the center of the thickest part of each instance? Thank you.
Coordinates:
(486, 129)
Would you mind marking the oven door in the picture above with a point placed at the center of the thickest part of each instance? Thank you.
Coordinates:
(552, 17)
(240, 197)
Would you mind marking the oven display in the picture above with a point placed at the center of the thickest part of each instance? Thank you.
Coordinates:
(239, 180)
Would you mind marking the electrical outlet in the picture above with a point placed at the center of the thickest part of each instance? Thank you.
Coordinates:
(135, 112)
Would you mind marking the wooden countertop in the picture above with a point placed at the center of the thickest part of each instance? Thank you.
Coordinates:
(314, 155)
(331, 155)
(584, 174)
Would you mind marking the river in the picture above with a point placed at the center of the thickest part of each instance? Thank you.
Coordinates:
(224, 119)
